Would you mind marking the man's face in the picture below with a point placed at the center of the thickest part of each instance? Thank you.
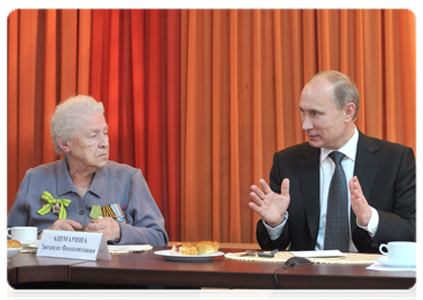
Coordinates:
(89, 148)
(323, 122)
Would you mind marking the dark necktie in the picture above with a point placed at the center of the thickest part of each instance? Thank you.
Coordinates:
(337, 225)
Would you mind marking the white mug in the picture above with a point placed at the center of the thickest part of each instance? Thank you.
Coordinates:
(26, 234)
(399, 250)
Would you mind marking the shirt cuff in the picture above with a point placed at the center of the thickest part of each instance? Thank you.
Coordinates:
(371, 227)
(275, 232)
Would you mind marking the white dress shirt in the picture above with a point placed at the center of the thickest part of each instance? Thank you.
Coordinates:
(327, 168)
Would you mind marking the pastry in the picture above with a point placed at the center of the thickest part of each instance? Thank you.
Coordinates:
(207, 247)
(183, 249)
(13, 244)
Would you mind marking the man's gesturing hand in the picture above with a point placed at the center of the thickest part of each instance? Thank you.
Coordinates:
(359, 203)
(270, 206)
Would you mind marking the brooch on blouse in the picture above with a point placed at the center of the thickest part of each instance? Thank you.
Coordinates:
(57, 206)
(112, 211)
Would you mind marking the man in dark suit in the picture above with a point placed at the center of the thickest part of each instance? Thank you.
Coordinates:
(380, 177)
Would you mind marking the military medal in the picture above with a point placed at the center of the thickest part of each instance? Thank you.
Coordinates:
(113, 211)
(56, 206)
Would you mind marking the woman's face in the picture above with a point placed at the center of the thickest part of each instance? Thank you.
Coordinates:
(89, 148)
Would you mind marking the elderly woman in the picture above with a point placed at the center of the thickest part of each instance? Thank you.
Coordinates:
(85, 188)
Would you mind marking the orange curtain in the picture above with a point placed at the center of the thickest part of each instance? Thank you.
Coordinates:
(201, 99)
(244, 72)
(129, 60)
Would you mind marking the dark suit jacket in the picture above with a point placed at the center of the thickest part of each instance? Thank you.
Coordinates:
(386, 172)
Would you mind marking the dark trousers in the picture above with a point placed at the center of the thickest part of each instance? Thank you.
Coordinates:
(68, 291)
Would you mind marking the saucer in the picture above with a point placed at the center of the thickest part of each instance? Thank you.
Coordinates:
(34, 245)
(396, 263)
(25, 244)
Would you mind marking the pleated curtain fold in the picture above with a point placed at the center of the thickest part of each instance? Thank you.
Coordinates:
(200, 100)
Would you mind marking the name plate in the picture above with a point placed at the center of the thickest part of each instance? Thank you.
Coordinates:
(73, 244)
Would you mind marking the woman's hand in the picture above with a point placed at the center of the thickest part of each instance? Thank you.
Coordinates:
(108, 226)
(63, 224)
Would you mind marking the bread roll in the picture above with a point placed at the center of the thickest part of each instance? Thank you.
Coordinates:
(13, 244)
(207, 247)
(183, 249)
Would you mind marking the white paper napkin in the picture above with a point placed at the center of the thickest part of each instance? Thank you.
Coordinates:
(319, 253)
(132, 248)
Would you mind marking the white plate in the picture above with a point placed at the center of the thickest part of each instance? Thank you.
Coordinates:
(396, 263)
(12, 252)
(195, 258)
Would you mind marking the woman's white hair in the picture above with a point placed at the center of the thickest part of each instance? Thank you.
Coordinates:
(68, 116)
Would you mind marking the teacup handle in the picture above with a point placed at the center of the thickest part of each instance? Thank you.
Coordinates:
(381, 247)
(9, 232)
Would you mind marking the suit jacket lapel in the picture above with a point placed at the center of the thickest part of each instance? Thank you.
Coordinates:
(366, 165)
(308, 169)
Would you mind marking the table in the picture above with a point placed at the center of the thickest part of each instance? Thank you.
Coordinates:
(140, 270)
(28, 268)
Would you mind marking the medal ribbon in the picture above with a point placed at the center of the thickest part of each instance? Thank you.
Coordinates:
(96, 212)
(107, 211)
(50, 202)
(112, 211)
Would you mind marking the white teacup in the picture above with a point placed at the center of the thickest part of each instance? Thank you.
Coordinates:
(399, 250)
(23, 234)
